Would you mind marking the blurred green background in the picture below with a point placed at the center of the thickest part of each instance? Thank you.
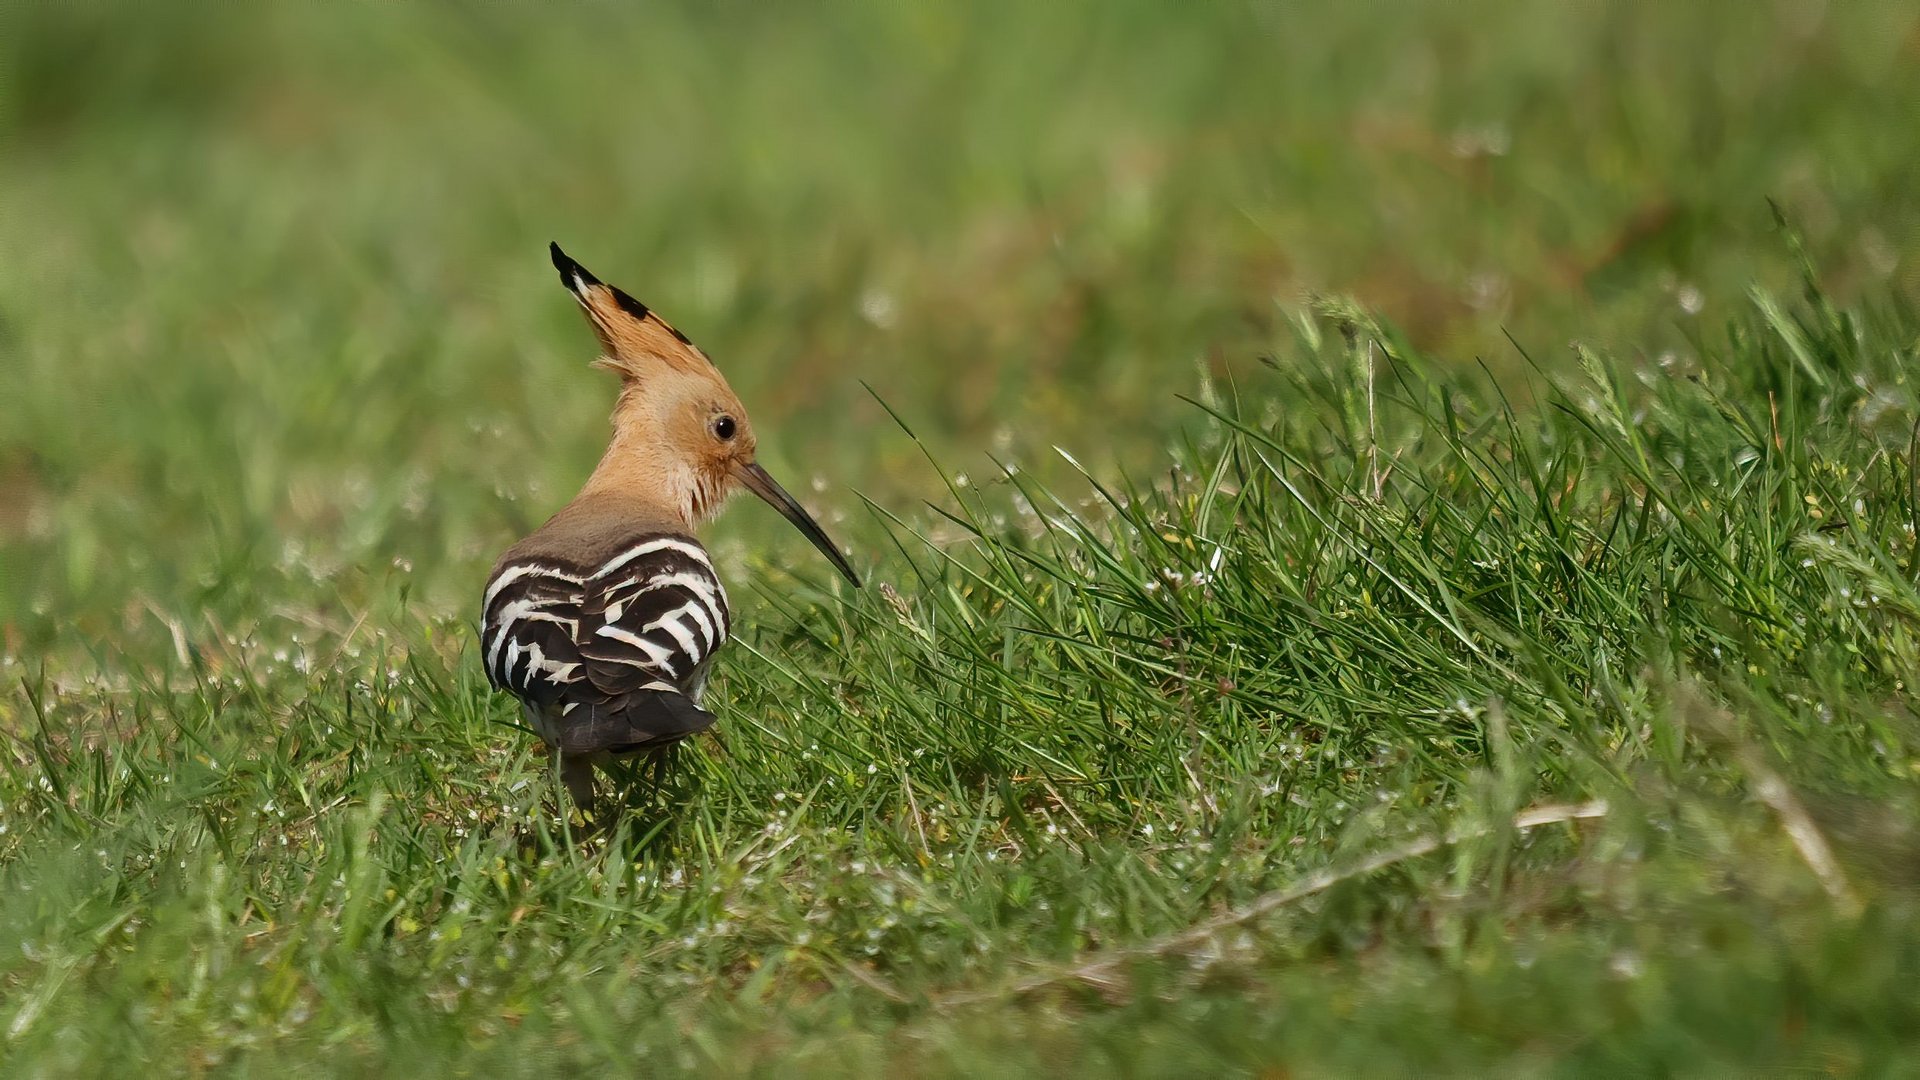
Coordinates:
(275, 307)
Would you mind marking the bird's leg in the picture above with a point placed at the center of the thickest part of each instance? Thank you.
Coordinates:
(577, 773)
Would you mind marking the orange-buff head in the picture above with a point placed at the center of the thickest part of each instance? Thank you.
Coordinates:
(681, 438)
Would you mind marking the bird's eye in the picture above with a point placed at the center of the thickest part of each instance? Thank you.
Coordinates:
(723, 428)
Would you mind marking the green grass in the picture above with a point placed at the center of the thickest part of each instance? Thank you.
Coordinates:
(1370, 683)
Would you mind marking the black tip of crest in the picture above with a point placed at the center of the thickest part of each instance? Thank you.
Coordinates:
(578, 279)
(574, 276)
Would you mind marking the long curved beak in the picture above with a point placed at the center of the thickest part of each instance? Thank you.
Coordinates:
(757, 481)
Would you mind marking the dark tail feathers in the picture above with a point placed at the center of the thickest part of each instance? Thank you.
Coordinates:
(639, 721)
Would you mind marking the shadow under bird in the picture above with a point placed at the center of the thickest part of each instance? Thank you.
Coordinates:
(605, 620)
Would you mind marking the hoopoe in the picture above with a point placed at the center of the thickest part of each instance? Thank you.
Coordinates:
(605, 620)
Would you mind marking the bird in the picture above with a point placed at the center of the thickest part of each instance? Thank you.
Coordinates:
(604, 621)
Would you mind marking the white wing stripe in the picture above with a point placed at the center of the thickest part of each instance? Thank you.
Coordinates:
(705, 584)
(511, 618)
(561, 670)
(705, 623)
(513, 574)
(666, 543)
(671, 624)
(659, 653)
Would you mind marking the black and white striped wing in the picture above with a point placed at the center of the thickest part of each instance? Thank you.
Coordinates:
(648, 618)
(530, 629)
(655, 612)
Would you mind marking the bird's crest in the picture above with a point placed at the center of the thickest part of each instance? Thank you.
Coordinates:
(633, 340)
